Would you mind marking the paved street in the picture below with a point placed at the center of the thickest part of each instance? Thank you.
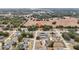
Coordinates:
(10, 37)
(61, 38)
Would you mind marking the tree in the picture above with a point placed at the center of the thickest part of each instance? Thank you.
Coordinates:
(46, 27)
(3, 45)
(54, 23)
(19, 29)
(76, 47)
(14, 44)
(66, 36)
(78, 22)
(60, 26)
(32, 28)
(37, 37)
(77, 38)
(20, 47)
(27, 35)
(5, 34)
(20, 38)
(23, 34)
(72, 34)
(51, 44)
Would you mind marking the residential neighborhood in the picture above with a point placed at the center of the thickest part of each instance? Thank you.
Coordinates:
(39, 29)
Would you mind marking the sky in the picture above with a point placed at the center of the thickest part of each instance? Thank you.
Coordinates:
(39, 3)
